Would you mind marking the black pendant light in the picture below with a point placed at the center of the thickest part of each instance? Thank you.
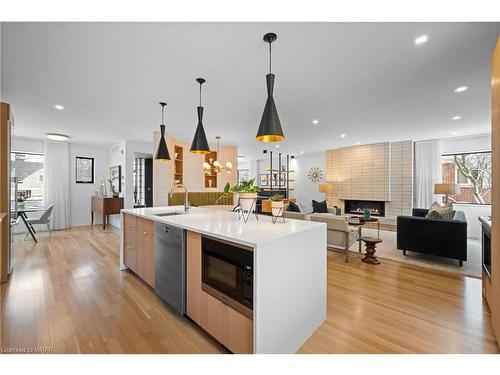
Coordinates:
(270, 126)
(162, 153)
(200, 143)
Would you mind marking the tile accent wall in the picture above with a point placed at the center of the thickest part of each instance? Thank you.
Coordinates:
(401, 180)
(379, 172)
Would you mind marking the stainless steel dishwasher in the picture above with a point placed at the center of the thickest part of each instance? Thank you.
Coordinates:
(170, 266)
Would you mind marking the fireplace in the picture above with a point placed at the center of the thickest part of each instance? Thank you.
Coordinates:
(377, 208)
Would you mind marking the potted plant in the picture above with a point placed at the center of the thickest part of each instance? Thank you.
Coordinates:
(246, 190)
(112, 188)
(277, 205)
(20, 199)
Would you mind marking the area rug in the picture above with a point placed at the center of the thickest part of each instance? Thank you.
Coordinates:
(388, 250)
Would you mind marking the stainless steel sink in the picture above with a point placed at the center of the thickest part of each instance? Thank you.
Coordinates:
(170, 213)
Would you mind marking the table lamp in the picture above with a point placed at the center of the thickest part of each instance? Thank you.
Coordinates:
(325, 188)
(446, 189)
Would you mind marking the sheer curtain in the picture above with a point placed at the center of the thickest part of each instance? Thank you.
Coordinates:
(57, 183)
(427, 172)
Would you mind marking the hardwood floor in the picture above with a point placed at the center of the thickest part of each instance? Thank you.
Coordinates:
(67, 293)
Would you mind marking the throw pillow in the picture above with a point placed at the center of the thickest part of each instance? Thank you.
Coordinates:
(437, 207)
(292, 207)
(319, 207)
(435, 215)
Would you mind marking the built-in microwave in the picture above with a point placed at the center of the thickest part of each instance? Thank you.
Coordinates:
(227, 273)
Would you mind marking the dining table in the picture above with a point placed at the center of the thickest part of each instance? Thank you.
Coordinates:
(22, 213)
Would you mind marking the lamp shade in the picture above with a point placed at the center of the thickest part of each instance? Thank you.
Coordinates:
(162, 153)
(325, 188)
(270, 126)
(200, 143)
(447, 189)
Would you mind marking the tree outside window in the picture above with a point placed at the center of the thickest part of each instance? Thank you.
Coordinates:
(472, 173)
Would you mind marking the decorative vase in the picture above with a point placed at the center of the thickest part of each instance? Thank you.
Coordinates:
(366, 213)
(247, 200)
(277, 208)
(103, 189)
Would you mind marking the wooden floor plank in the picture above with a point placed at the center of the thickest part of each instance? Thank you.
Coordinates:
(67, 292)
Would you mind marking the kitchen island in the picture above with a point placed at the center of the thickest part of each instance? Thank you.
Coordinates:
(289, 273)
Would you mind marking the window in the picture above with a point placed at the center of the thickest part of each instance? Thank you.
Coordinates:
(139, 182)
(472, 173)
(28, 169)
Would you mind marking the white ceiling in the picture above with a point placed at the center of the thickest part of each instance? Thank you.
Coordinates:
(366, 80)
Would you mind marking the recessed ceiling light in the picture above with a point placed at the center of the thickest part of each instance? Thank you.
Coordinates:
(342, 136)
(277, 146)
(358, 143)
(315, 122)
(456, 117)
(59, 107)
(461, 89)
(421, 39)
(57, 137)
(301, 152)
(453, 133)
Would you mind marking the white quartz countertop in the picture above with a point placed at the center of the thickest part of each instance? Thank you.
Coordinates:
(225, 225)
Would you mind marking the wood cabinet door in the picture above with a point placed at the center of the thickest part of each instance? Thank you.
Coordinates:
(193, 276)
(238, 335)
(130, 242)
(226, 325)
(145, 235)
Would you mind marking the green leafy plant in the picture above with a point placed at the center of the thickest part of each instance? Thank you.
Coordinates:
(112, 188)
(243, 187)
(277, 197)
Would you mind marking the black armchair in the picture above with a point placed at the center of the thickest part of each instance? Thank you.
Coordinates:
(446, 238)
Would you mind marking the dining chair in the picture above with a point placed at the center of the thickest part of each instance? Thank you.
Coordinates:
(44, 219)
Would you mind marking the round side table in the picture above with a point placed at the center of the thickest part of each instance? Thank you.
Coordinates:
(371, 248)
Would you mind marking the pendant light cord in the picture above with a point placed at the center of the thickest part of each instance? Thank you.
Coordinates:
(200, 94)
(162, 114)
(270, 58)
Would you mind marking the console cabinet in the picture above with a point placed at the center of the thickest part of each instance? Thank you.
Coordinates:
(139, 247)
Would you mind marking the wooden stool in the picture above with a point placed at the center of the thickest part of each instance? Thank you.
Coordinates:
(371, 245)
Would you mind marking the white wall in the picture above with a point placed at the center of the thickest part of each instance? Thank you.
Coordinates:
(79, 193)
(472, 212)
(475, 143)
(22, 144)
(305, 190)
(122, 154)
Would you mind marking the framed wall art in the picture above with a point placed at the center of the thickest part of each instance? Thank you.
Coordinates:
(84, 173)
(263, 179)
(115, 175)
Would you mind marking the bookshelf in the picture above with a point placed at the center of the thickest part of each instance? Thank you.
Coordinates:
(178, 164)
(278, 175)
(211, 179)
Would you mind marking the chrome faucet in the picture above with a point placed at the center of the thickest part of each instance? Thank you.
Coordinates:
(186, 203)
